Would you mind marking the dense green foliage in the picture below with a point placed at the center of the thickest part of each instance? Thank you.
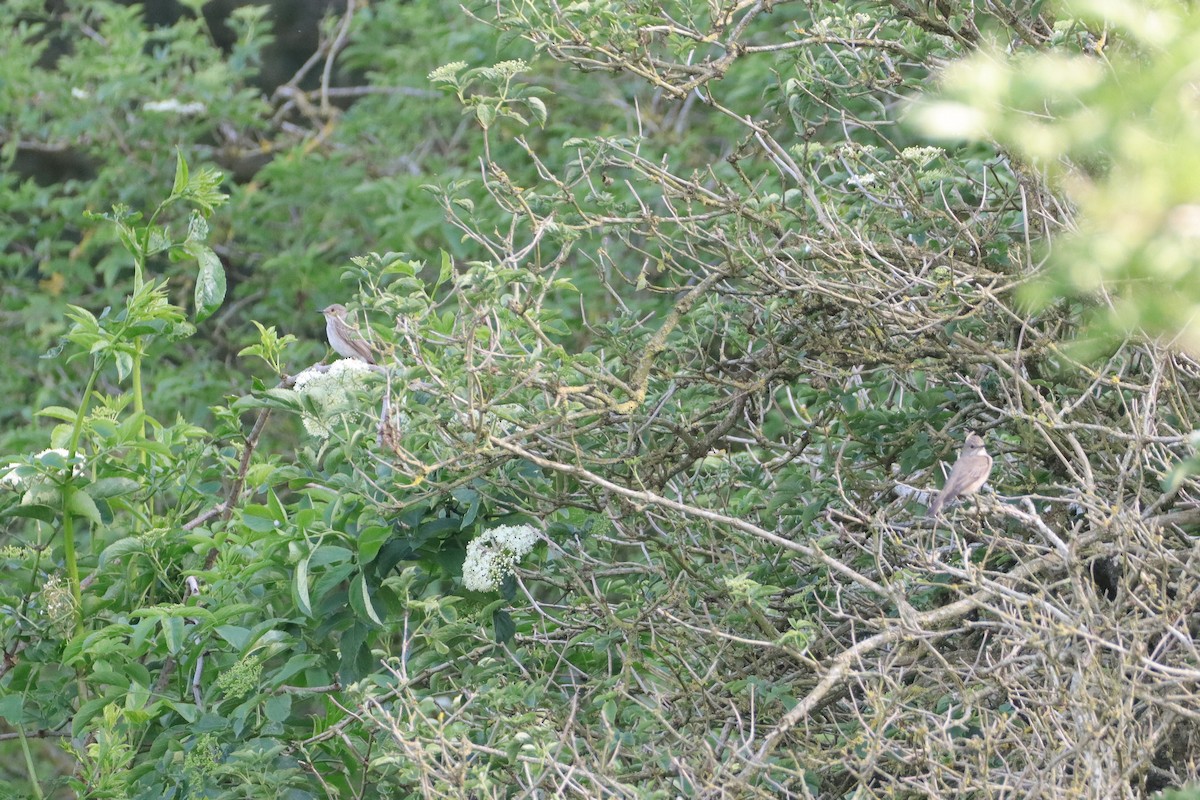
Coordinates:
(675, 316)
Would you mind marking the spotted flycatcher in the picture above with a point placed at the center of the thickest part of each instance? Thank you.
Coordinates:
(344, 338)
(968, 474)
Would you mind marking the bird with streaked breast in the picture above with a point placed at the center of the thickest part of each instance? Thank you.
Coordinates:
(344, 337)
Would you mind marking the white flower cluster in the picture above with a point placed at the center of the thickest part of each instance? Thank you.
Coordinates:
(331, 391)
(173, 106)
(492, 554)
(57, 603)
(446, 72)
(921, 155)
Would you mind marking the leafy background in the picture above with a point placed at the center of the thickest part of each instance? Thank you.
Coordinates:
(703, 293)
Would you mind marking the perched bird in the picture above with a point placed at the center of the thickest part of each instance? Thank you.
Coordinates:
(968, 474)
(344, 338)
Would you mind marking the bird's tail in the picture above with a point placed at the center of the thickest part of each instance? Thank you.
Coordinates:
(935, 506)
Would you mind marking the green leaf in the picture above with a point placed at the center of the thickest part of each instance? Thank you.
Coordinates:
(234, 634)
(57, 412)
(197, 228)
(138, 697)
(181, 174)
(259, 519)
(485, 114)
(295, 664)
(503, 625)
(120, 548)
(210, 723)
(173, 632)
(354, 653)
(444, 274)
(210, 282)
(276, 507)
(538, 108)
(472, 512)
(88, 711)
(369, 542)
(36, 511)
(80, 504)
(112, 487)
(1180, 473)
(12, 708)
(278, 708)
(360, 600)
(300, 587)
(330, 554)
(124, 363)
(284, 399)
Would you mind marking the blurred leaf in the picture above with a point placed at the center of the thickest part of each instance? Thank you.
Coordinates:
(503, 625)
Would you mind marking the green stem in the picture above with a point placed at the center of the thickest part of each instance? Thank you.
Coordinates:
(29, 766)
(139, 406)
(71, 559)
(69, 556)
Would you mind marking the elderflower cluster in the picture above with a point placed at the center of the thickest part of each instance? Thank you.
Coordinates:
(492, 555)
(331, 392)
(446, 72)
(57, 603)
(173, 106)
(203, 758)
(242, 678)
(921, 155)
